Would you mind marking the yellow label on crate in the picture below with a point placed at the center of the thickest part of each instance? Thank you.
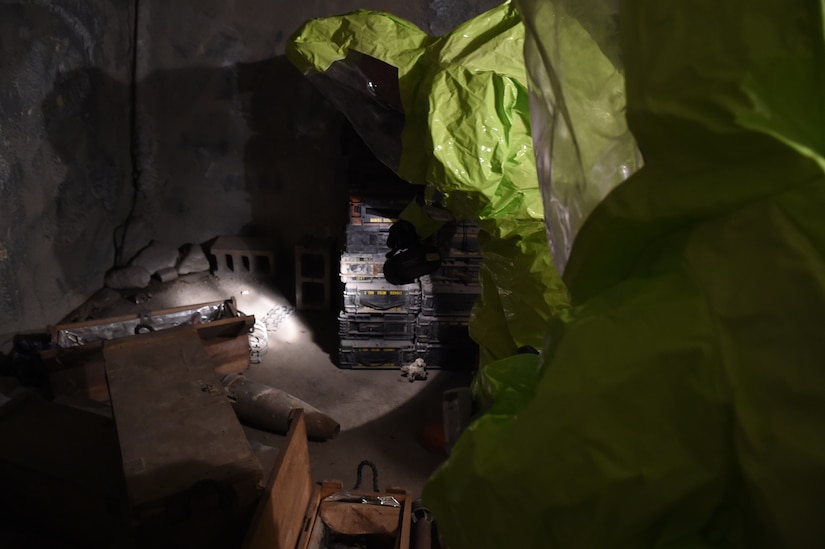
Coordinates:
(382, 292)
(396, 292)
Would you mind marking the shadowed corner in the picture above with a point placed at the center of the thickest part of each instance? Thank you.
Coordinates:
(86, 122)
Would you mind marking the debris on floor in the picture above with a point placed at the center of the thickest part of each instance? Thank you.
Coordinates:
(258, 342)
(259, 336)
(276, 316)
(162, 260)
(417, 369)
(158, 383)
(156, 256)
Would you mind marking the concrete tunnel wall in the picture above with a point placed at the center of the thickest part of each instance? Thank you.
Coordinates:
(229, 138)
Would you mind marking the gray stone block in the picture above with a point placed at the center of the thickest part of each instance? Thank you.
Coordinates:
(157, 256)
(168, 274)
(194, 261)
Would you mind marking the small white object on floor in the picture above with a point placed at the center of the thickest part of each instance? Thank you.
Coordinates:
(276, 316)
(258, 342)
(416, 369)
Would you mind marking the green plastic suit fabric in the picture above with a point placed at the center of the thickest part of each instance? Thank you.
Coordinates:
(682, 403)
(467, 138)
(583, 146)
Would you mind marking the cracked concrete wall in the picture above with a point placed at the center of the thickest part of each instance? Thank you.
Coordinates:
(231, 139)
(64, 153)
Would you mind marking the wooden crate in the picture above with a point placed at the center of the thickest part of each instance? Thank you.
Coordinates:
(175, 425)
(79, 370)
(293, 510)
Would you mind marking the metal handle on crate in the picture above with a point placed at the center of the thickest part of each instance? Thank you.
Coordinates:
(377, 362)
(378, 307)
(374, 475)
(143, 328)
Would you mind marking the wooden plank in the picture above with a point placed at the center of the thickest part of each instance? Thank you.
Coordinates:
(175, 425)
(403, 539)
(313, 532)
(281, 513)
(230, 355)
(226, 327)
(64, 358)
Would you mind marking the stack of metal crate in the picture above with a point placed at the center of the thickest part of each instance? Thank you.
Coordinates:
(385, 326)
(447, 298)
(377, 324)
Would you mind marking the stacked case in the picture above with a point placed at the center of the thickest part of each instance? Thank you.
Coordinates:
(377, 324)
(385, 326)
(447, 298)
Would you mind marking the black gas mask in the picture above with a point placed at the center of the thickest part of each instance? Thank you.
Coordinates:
(409, 257)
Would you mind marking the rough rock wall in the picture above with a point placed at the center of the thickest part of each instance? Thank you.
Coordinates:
(230, 138)
(64, 153)
(233, 138)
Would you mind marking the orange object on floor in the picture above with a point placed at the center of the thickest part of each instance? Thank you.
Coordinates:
(432, 438)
